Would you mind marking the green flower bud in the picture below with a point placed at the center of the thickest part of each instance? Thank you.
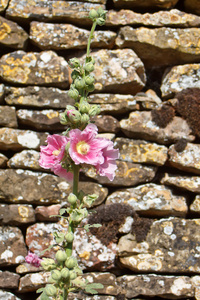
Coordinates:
(72, 275)
(79, 83)
(48, 264)
(50, 290)
(75, 74)
(90, 88)
(56, 275)
(74, 116)
(72, 198)
(65, 273)
(51, 280)
(94, 110)
(69, 237)
(100, 21)
(93, 14)
(89, 67)
(61, 256)
(101, 12)
(73, 93)
(84, 107)
(74, 62)
(63, 119)
(89, 79)
(71, 262)
(85, 119)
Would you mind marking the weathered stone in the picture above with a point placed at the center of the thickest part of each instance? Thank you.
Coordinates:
(8, 280)
(47, 213)
(32, 68)
(25, 268)
(106, 123)
(171, 245)
(27, 159)
(192, 6)
(16, 214)
(8, 116)
(17, 139)
(56, 10)
(3, 5)
(151, 200)
(66, 36)
(11, 34)
(186, 160)
(7, 295)
(118, 71)
(2, 93)
(161, 46)
(189, 183)
(140, 125)
(171, 18)
(170, 287)
(32, 282)
(12, 246)
(145, 4)
(127, 174)
(86, 297)
(139, 151)
(195, 206)
(179, 78)
(3, 160)
(35, 96)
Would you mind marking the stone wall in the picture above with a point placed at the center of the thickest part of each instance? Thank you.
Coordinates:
(147, 82)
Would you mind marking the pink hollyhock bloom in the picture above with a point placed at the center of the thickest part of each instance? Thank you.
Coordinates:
(33, 259)
(85, 147)
(108, 167)
(52, 155)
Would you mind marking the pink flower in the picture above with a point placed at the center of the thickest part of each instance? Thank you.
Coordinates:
(33, 259)
(51, 155)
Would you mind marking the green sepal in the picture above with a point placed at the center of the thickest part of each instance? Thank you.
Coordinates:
(91, 288)
(59, 237)
(87, 226)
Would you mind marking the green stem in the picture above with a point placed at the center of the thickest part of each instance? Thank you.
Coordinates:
(90, 38)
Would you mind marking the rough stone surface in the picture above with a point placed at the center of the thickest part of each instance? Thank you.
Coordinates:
(65, 36)
(127, 174)
(145, 4)
(171, 245)
(140, 125)
(56, 10)
(3, 160)
(16, 214)
(11, 34)
(118, 71)
(195, 206)
(8, 280)
(26, 159)
(140, 151)
(179, 78)
(151, 200)
(186, 160)
(17, 139)
(25, 268)
(161, 46)
(172, 18)
(8, 296)
(8, 116)
(32, 282)
(35, 96)
(32, 68)
(189, 183)
(106, 123)
(46, 213)
(12, 246)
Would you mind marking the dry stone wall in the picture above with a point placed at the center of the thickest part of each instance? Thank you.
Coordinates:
(148, 85)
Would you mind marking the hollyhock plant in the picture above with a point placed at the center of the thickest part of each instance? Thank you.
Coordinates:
(33, 259)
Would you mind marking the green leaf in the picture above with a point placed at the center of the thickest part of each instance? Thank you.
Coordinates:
(40, 290)
(51, 246)
(59, 237)
(91, 288)
(44, 296)
(62, 211)
(87, 226)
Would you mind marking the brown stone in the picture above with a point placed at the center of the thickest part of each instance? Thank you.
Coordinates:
(12, 246)
(151, 200)
(127, 174)
(16, 214)
(35, 96)
(32, 282)
(172, 18)
(140, 125)
(56, 10)
(8, 280)
(3, 160)
(12, 35)
(8, 116)
(161, 46)
(32, 68)
(26, 159)
(25, 268)
(47, 213)
(140, 151)
(17, 139)
(2, 93)
(66, 36)
(179, 78)
(171, 246)
(118, 71)
(145, 4)
(189, 183)
(192, 6)
(106, 123)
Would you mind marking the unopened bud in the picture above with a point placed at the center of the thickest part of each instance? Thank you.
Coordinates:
(73, 93)
(74, 62)
(74, 116)
(65, 273)
(50, 290)
(89, 67)
(48, 264)
(71, 262)
(61, 256)
(85, 119)
(72, 275)
(90, 88)
(72, 198)
(89, 79)
(69, 237)
(101, 21)
(93, 14)
(94, 110)
(84, 107)
(75, 74)
(79, 83)
(56, 275)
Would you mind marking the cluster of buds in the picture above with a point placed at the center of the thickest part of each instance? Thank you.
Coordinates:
(98, 16)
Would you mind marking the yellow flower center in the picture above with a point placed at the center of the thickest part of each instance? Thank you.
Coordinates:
(82, 148)
(56, 152)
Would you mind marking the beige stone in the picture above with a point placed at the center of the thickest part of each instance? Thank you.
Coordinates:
(145, 4)
(3, 160)
(26, 159)
(195, 206)
(189, 183)
(8, 117)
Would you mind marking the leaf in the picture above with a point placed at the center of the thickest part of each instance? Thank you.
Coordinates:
(40, 290)
(91, 288)
(62, 211)
(59, 237)
(44, 296)
(87, 226)
(51, 246)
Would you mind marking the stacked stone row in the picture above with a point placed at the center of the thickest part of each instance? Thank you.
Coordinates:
(158, 172)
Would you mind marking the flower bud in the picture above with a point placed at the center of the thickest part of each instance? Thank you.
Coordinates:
(75, 74)
(71, 262)
(65, 273)
(85, 119)
(89, 67)
(73, 93)
(79, 83)
(101, 21)
(56, 275)
(90, 88)
(50, 290)
(74, 62)
(72, 198)
(94, 110)
(89, 79)
(63, 119)
(48, 264)
(74, 116)
(69, 237)
(61, 256)
(84, 107)
(93, 14)
(72, 275)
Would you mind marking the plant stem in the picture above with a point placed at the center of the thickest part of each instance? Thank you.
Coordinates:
(90, 38)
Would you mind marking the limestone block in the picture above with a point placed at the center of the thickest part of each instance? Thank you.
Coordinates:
(44, 68)
(3, 160)
(8, 117)
(32, 282)
(140, 125)
(151, 200)
(195, 206)
(16, 214)
(8, 295)
(106, 123)
(26, 159)
(66, 36)
(145, 4)
(8, 280)
(189, 183)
